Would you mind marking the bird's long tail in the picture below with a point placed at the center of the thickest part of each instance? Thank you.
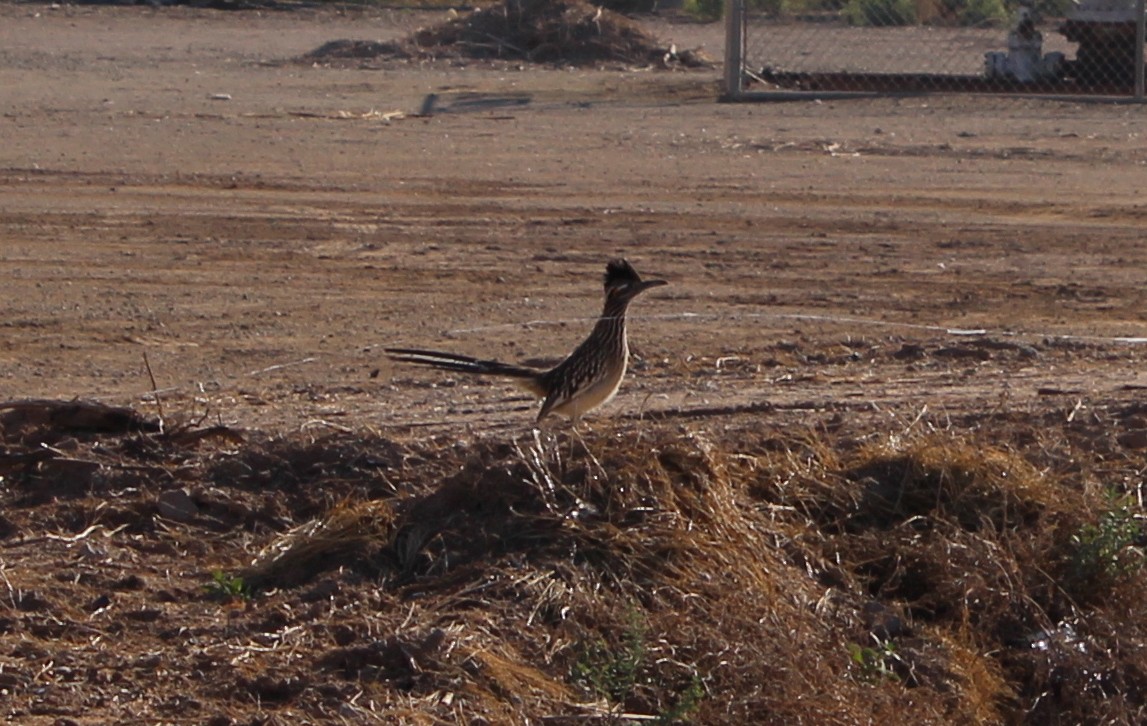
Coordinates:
(526, 377)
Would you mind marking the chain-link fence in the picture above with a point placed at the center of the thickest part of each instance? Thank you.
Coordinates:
(1061, 47)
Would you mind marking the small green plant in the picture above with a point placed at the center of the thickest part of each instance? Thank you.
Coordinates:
(981, 13)
(874, 663)
(715, 9)
(227, 587)
(614, 673)
(880, 13)
(686, 703)
(1053, 8)
(705, 9)
(1106, 552)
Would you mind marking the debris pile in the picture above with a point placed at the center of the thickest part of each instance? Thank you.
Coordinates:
(569, 32)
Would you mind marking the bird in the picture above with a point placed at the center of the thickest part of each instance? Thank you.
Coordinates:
(587, 378)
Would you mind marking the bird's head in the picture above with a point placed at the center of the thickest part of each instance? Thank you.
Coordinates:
(622, 281)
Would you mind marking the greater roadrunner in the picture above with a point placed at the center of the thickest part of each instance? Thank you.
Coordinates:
(587, 378)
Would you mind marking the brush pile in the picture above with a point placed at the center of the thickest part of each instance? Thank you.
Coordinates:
(567, 32)
(990, 572)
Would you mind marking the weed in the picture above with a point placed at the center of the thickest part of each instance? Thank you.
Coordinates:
(227, 587)
(875, 663)
(880, 13)
(705, 9)
(980, 13)
(1106, 552)
(614, 673)
(687, 701)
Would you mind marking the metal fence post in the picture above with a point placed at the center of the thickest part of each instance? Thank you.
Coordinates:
(735, 47)
(1140, 41)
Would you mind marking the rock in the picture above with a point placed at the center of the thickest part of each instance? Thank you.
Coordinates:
(177, 504)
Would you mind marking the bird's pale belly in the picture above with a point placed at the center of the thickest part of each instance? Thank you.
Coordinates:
(593, 396)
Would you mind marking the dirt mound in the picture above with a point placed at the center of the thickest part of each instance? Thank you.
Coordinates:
(572, 32)
(649, 570)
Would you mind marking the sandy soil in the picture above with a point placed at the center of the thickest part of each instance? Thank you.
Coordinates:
(261, 249)
(175, 188)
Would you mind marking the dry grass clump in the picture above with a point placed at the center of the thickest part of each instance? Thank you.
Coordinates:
(961, 481)
(346, 533)
(648, 571)
(989, 555)
(667, 572)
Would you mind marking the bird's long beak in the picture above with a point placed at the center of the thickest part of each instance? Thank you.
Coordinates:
(646, 284)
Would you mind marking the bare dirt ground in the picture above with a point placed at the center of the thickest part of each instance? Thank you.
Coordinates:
(277, 230)
(173, 184)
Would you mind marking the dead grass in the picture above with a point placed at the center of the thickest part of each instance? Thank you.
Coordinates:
(656, 571)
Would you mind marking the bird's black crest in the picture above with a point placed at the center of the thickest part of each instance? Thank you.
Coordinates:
(618, 272)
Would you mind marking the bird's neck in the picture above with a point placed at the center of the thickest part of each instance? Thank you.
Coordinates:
(611, 325)
(615, 310)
